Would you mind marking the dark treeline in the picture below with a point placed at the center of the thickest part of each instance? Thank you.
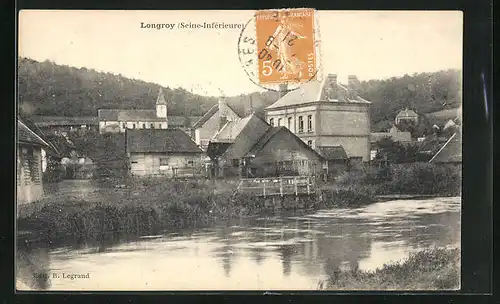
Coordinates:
(46, 88)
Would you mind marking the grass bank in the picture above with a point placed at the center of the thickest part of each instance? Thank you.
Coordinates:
(433, 269)
(146, 206)
(406, 179)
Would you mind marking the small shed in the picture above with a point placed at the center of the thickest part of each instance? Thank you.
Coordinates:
(163, 152)
(336, 160)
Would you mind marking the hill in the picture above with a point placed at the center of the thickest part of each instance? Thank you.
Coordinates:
(46, 88)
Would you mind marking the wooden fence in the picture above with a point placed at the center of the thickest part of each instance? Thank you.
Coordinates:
(284, 185)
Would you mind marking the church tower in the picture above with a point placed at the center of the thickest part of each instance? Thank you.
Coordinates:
(161, 107)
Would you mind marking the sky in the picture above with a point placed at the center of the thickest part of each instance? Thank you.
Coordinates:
(368, 44)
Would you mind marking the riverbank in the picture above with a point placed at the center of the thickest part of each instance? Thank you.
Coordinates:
(149, 206)
(433, 269)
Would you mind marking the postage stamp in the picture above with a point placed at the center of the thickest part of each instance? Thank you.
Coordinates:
(281, 46)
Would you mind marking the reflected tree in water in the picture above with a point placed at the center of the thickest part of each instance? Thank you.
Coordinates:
(286, 253)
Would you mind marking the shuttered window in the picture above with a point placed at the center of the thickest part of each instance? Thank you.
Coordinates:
(26, 166)
(35, 168)
(19, 168)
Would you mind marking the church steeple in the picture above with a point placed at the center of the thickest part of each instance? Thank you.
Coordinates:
(161, 98)
(161, 108)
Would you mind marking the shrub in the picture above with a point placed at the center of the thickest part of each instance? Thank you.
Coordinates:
(432, 269)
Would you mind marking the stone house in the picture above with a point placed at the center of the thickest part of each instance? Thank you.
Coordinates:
(30, 150)
(250, 147)
(406, 115)
(162, 152)
(210, 123)
(326, 114)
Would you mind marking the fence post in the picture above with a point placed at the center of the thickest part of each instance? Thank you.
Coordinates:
(295, 185)
(264, 185)
(281, 186)
(308, 189)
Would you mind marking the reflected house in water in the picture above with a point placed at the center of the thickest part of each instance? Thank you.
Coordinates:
(250, 147)
(31, 148)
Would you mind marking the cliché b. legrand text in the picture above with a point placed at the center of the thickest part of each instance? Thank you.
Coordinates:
(62, 275)
(191, 25)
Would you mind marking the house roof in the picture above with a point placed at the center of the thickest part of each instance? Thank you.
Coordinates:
(406, 113)
(332, 152)
(248, 137)
(47, 121)
(316, 91)
(160, 141)
(211, 112)
(396, 136)
(28, 136)
(269, 134)
(232, 129)
(128, 115)
(450, 152)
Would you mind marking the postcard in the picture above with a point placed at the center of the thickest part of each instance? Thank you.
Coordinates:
(280, 149)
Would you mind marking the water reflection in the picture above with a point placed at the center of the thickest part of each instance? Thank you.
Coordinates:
(287, 252)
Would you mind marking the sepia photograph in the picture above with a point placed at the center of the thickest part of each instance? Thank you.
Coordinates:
(215, 150)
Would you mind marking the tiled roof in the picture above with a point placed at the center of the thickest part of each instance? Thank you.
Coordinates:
(396, 136)
(316, 91)
(271, 132)
(128, 115)
(232, 129)
(407, 113)
(107, 114)
(46, 121)
(254, 129)
(214, 109)
(450, 152)
(160, 140)
(332, 152)
(26, 135)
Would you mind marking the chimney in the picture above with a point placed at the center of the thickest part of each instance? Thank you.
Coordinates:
(283, 89)
(352, 84)
(222, 112)
(330, 88)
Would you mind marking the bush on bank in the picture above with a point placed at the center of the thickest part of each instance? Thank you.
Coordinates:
(412, 178)
(432, 269)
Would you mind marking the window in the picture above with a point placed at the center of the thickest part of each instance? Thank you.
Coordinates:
(236, 162)
(124, 125)
(271, 122)
(163, 161)
(144, 126)
(279, 122)
(159, 126)
(301, 124)
(190, 162)
(310, 143)
(289, 123)
(309, 123)
(152, 126)
(133, 126)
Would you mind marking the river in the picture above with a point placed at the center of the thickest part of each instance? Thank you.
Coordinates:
(275, 253)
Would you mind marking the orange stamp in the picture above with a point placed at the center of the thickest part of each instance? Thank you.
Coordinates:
(286, 46)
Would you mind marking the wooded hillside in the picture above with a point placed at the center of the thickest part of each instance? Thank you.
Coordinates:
(46, 88)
